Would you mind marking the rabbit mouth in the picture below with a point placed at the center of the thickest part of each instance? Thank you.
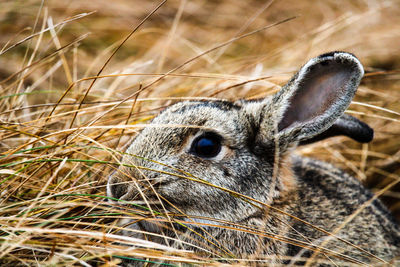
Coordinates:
(151, 193)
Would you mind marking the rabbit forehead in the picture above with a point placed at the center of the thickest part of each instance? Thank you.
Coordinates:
(219, 116)
(197, 113)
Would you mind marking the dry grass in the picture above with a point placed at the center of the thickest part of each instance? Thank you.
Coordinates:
(64, 124)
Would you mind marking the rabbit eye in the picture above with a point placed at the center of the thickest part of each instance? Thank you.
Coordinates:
(207, 145)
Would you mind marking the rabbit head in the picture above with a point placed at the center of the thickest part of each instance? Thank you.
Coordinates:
(193, 149)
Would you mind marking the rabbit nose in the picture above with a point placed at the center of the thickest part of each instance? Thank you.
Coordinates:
(124, 189)
(121, 191)
(120, 188)
(116, 188)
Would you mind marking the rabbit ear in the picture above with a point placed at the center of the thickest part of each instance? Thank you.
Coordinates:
(316, 96)
(346, 125)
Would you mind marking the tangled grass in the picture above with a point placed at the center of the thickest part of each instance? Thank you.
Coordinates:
(79, 79)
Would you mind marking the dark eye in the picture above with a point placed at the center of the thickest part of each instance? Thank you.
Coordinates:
(207, 145)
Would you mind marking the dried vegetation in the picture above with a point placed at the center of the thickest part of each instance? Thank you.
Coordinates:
(67, 113)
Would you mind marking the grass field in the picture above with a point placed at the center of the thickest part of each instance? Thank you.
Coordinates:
(79, 78)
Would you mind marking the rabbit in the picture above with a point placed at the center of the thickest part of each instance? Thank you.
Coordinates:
(216, 163)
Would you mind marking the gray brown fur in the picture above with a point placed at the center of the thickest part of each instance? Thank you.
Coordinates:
(256, 137)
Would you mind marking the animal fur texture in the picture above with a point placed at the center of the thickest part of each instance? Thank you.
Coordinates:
(299, 210)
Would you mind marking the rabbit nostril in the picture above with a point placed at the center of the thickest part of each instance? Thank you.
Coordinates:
(118, 190)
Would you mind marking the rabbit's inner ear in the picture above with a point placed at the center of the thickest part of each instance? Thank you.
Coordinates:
(319, 90)
(318, 95)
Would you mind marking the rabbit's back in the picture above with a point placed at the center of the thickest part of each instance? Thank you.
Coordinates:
(338, 203)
